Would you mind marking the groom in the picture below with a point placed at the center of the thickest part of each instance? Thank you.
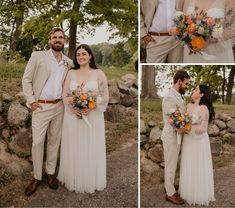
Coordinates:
(173, 100)
(42, 86)
(156, 20)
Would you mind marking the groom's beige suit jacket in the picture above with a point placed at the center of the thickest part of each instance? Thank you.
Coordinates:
(148, 9)
(37, 73)
(171, 101)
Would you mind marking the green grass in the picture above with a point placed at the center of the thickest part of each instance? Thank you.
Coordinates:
(116, 73)
(229, 109)
(11, 75)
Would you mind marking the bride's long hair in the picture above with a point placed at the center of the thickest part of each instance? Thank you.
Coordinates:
(206, 100)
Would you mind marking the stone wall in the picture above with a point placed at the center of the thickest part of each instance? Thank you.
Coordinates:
(15, 122)
(221, 132)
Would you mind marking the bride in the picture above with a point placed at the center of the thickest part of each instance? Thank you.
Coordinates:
(196, 184)
(220, 49)
(83, 156)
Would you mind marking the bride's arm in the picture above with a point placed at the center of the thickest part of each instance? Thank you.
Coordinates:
(103, 91)
(202, 126)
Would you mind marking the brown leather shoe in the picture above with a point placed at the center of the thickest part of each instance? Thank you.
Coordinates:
(175, 199)
(32, 187)
(52, 182)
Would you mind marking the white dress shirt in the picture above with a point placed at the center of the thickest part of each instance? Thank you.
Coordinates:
(163, 18)
(53, 87)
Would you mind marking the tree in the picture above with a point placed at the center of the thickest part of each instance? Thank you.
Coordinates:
(148, 90)
(230, 85)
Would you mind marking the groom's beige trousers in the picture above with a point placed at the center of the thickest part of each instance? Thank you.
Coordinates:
(164, 49)
(46, 121)
(171, 154)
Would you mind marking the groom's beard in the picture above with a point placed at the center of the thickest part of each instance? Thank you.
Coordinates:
(57, 47)
(182, 90)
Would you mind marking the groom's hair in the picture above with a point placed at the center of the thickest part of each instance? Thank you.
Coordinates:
(180, 74)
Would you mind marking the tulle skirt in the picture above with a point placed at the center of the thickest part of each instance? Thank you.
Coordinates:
(83, 156)
(196, 184)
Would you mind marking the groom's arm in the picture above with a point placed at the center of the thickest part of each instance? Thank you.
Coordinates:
(167, 105)
(27, 80)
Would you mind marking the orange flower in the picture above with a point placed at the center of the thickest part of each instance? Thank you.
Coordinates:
(181, 118)
(91, 105)
(191, 28)
(199, 17)
(83, 97)
(210, 21)
(174, 31)
(69, 99)
(188, 126)
(198, 42)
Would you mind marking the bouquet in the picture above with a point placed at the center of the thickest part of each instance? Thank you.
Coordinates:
(79, 99)
(180, 121)
(195, 29)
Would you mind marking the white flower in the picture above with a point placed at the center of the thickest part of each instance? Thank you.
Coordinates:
(73, 85)
(178, 14)
(217, 31)
(191, 11)
(201, 30)
(172, 110)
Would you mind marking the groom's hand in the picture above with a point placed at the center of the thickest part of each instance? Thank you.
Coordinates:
(35, 105)
(147, 39)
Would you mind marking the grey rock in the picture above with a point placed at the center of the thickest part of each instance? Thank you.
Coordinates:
(133, 92)
(142, 127)
(127, 100)
(17, 113)
(128, 77)
(0, 106)
(2, 122)
(143, 139)
(6, 97)
(155, 134)
(216, 146)
(6, 133)
(223, 116)
(156, 153)
(232, 141)
(115, 113)
(21, 144)
(114, 94)
(220, 124)
(213, 130)
(149, 166)
(231, 126)
(223, 132)
(18, 168)
(122, 87)
(151, 124)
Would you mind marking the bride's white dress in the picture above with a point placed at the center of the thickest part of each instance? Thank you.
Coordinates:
(83, 153)
(222, 50)
(196, 184)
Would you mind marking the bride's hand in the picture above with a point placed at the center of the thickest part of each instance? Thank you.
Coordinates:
(85, 112)
(76, 112)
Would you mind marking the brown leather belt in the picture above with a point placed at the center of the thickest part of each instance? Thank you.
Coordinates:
(49, 101)
(159, 34)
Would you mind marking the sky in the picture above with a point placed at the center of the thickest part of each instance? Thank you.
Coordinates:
(100, 35)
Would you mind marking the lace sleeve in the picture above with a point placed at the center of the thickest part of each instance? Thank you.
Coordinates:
(103, 91)
(229, 19)
(66, 83)
(202, 125)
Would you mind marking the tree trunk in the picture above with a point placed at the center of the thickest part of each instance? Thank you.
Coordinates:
(149, 90)
(230, 85)
(224, 84)
(18, 25)
(73, 29)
